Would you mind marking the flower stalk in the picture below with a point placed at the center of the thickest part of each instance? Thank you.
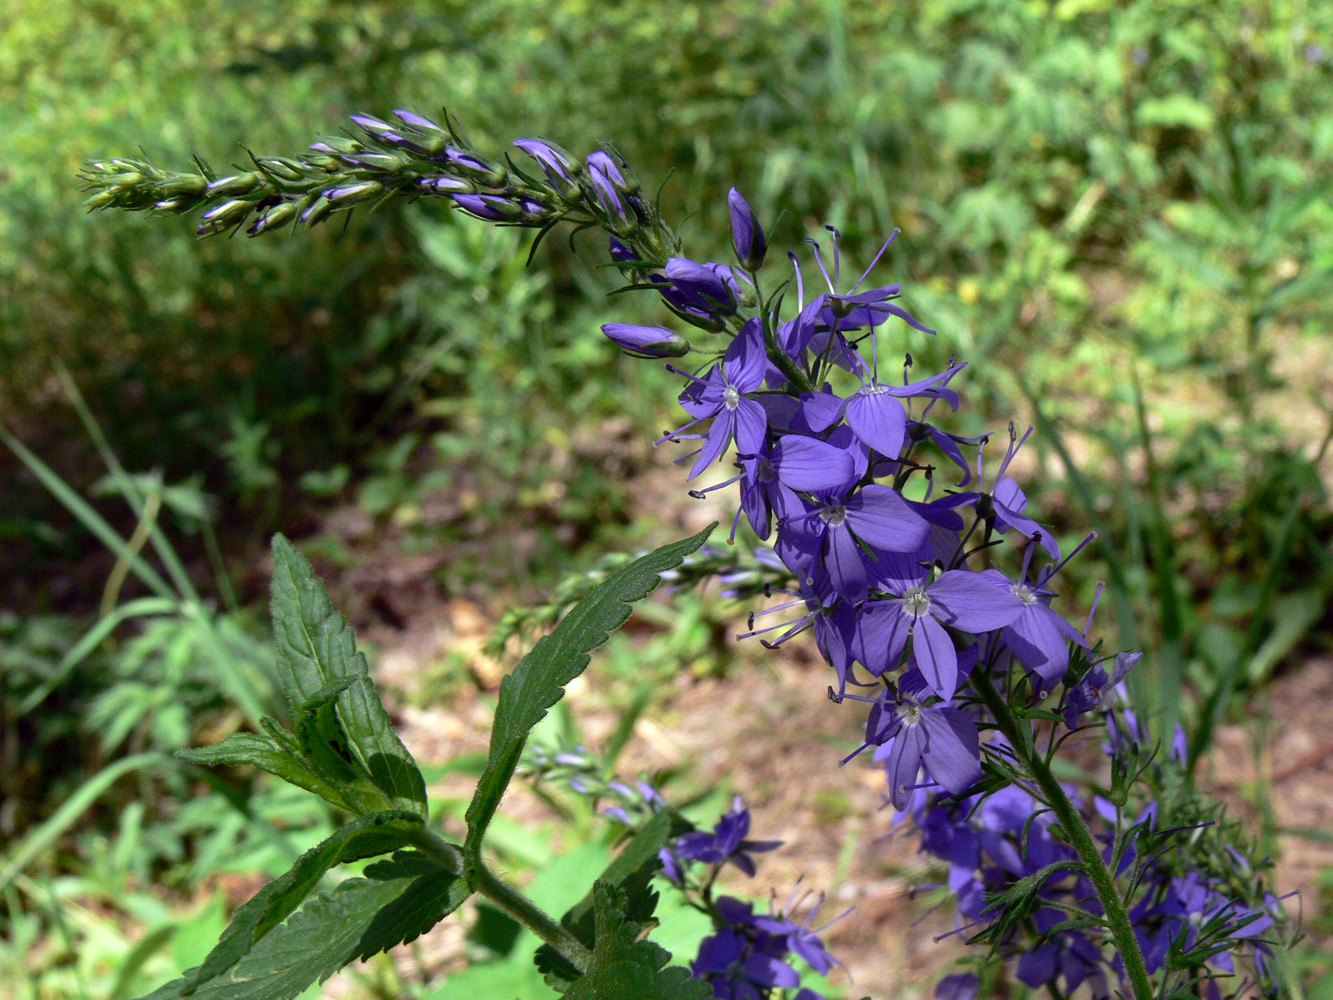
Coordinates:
(1075, 830)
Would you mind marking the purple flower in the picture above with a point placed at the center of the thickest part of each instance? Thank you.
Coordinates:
(911, 736)
(721, 395)
(879, 420)
(1039, 637)
(959, 598)
(826, 541)
(727, 843)
(747, 236)
(1097, 688)
(646, 341)
(795, 463)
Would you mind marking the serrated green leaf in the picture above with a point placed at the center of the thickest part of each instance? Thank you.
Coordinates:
(625, 969)
(637, 861)
(359, 918)
(539, 680)
(267, 755)
(317, 649)
(631, 872)
(364, 837)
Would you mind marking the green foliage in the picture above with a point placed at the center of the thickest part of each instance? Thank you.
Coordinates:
(396, 902)
(346, 736)
(626, 967)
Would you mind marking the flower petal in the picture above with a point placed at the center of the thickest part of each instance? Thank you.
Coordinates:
(881, 517)
(963, 599)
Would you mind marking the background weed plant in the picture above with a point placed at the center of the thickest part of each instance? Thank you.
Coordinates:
(1130, 247)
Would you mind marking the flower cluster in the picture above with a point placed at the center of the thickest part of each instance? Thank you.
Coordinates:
(411, 156)
(840, 479)
(749, 955)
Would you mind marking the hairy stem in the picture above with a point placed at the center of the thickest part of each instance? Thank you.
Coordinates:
(504, 896)
(1076, 832)
(530, 915)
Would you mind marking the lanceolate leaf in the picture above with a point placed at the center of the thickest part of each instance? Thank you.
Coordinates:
(267, 755)
(316, 649)
(359, 918)
(362, 838)
(539, 680)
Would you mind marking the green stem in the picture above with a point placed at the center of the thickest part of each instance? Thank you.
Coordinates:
(530, 915)
(1075, 830)
(504, 896)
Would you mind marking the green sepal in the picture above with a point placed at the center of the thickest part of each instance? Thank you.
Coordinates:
(398, 901)
(539, 680)
(364, 837)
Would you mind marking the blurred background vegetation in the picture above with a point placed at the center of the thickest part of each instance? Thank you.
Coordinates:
(1118, 213)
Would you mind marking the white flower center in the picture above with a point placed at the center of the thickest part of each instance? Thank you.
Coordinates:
(834, 514)
(731, 397)
(916, 602)
(911, 715)
(1023, 592)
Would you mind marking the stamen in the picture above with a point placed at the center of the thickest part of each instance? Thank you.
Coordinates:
(892, 236)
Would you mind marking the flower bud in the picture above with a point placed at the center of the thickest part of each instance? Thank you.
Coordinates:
(747, 236)
(353, 194)
(191, 185)
(646, 341)
(315, 209)
(488, 207)
(274, 217)
(558, 166)
(488, 174)
(701, 285)
(236, 184)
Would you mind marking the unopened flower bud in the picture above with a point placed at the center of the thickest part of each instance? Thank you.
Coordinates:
(561, 169)
(236, 184)
(191, 185)
(282, 167)
(488, 207)
(646, 341)
(747, 236)
(316, 210)
(443, 185)
(228, 212)
(353, 194)
(274, 217)
(488, 174)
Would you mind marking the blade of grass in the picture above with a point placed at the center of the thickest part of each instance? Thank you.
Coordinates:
(84, 513)
(1171, 650)
(128, 490)
(69, 812)
(143, 607)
